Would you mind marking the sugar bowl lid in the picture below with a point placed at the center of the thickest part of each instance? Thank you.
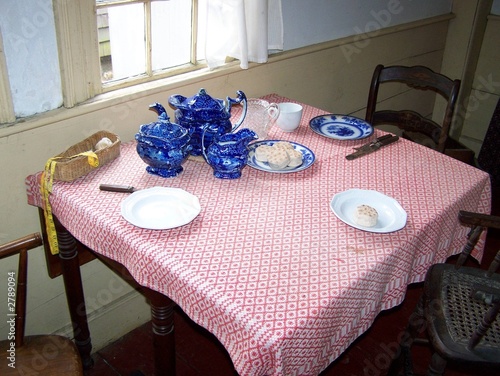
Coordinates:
(162, 128)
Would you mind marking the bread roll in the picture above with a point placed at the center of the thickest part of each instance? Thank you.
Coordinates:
(278, 158)
(280, 155)
(365, 216)
(295, 158)
(284, 145)
(261, 152)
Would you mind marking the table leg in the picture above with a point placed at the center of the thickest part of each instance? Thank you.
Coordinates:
(74, 292)
(162, 318)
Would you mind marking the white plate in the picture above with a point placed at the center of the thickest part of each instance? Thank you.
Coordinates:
(307, 157)
(160, 208)
(391, 216)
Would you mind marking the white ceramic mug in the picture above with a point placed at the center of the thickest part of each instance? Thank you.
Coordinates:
(289, 117)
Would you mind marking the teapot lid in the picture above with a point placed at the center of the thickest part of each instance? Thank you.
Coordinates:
(203, 101)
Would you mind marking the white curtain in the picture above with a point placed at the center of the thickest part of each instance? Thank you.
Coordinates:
(242, 29)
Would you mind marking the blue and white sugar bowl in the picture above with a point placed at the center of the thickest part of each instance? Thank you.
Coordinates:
(163, 145)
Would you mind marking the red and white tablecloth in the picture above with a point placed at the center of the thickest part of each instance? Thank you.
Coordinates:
(266, 266)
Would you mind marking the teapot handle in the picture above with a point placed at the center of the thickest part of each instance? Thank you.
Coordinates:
(241, 99)
(203, 148)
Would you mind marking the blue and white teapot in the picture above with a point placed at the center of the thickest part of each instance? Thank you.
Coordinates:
(201, 111)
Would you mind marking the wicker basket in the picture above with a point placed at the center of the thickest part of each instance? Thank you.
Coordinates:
(70, 166)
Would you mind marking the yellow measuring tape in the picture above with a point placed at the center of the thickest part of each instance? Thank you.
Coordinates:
(46, 190)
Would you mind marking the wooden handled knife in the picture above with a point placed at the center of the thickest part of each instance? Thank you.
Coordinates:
(373, 146)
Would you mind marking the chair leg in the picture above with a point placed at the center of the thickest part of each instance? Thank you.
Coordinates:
(416, 326)
(437, 366)
(402, 362)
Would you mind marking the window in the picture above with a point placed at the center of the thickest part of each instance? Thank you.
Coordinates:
(101, 45)
(142, 39)
(88, 47)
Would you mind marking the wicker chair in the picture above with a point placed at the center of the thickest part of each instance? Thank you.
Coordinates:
(48, 355)
(458, 310)
(415, 126)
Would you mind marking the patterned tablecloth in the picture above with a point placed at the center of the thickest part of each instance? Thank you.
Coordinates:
(266, 266)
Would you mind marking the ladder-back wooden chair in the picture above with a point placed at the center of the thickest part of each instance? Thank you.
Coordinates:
(459, 310)
(415, 126)
(48, 355)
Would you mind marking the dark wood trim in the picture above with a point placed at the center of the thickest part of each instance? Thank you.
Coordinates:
(68, 265)
(53, 263)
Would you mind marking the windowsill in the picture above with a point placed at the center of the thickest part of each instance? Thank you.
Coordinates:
(120, 96)
(111, 98)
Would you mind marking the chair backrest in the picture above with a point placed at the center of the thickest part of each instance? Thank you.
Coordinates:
(483, 292)
(19, 279)
(478, 223)
(420, 78)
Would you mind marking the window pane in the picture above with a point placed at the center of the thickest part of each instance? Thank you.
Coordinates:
(104, 44)
(127, 41)
(171, 33)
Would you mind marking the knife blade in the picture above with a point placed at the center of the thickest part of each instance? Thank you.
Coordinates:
(117, 188)
(372, 146)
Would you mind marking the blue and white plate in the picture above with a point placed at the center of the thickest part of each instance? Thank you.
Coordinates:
(341, 127)
(307, 157)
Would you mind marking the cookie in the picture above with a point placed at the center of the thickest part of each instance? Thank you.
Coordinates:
(278, 158)
(366, 216)
(261, 152)
(295, 158)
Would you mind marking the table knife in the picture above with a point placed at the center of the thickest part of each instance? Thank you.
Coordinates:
(117, 188)
(373, 146)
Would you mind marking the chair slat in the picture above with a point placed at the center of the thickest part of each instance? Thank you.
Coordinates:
(22, 283)
(419, 78)
(32, 349)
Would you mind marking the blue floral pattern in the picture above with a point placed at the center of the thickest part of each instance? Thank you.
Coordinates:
(341, 127)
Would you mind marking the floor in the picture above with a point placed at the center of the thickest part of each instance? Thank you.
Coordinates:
(200, 354)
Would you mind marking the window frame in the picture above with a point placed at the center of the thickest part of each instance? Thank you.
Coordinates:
(78, 50)
(7, 114)
(76, 31)
(149, 74)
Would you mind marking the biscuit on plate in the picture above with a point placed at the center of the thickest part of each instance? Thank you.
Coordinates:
(261, 152)
(284, 145)
(366, 216)
(278, 159)
(295, 158)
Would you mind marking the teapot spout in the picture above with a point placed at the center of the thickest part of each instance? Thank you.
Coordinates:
(248, 135)
(176, 100)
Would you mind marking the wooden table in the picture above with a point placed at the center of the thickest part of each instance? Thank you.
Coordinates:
(267, 267)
